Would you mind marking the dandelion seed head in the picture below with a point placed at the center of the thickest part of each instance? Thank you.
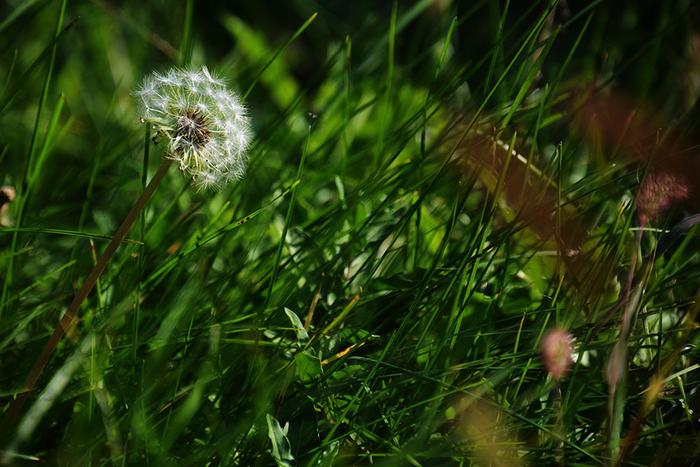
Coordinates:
(206, 125)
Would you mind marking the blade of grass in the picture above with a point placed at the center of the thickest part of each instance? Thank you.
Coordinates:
(23, 192)
(284, 46)
(287, 222)
(70, 317)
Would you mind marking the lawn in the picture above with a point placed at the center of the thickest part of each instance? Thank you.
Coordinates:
(433, 232)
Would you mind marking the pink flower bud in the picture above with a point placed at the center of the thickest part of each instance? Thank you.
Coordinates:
(557, 347)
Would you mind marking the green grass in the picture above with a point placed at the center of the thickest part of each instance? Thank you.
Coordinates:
(377, 288)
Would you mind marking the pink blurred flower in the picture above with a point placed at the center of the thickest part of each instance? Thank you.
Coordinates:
(557, 349)
(657, 193)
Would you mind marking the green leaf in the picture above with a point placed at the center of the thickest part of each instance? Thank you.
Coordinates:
(308, 365)
(328, 455)
(281, 448)
(302, 335)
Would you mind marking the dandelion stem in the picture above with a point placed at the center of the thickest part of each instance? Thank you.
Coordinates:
(70, 317)
(142, 233)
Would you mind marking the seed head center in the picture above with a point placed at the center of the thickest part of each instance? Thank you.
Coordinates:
(193, 127)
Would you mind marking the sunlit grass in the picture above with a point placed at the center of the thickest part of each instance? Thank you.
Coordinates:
(426, 197)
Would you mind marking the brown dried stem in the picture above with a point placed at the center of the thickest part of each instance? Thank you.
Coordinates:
(70, 317)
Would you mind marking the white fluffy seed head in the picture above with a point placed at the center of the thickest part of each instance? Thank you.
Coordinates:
(206, 125)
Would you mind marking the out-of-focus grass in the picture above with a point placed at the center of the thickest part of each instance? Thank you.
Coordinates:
(376, 288)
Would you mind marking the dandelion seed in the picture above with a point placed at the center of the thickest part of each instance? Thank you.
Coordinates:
(557, 349)
(205, 124)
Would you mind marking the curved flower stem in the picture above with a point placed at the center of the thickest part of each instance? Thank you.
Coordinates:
(70, 317)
